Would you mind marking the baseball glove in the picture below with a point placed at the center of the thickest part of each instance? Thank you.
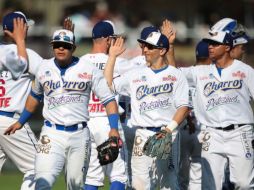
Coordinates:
(109, 150)
(158, 145)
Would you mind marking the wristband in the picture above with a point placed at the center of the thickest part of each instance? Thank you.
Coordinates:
(113, 120)
(24, 117)
(172, 125)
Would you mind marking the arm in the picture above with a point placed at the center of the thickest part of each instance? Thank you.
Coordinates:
(168, 30)
(179, 116)
(116, 48)
(113, 117)
(31, 105)
(17, 64)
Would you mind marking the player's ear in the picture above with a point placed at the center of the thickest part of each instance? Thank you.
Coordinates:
(163, 51)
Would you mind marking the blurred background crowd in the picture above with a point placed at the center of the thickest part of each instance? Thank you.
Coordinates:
(191, 19)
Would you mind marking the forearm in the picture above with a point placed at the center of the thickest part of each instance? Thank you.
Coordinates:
(178, 118)
(109, 69)
(171, 55)
(30, 107)
(113, 116)
(21, 49)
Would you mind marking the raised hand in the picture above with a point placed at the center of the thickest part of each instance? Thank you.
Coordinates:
(117, 47)
(19, 30)
(68, 25)
(168, 30)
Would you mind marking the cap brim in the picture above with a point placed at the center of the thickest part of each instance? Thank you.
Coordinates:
(145, 42)
(207, 40)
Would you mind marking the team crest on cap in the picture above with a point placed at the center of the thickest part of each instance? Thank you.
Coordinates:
(62, 33)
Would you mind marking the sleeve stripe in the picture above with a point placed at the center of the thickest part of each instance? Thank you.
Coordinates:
(108, 100)
(36, 96)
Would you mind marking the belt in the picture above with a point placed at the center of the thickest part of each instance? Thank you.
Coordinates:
(230, 127)
(69, 128)
(154, 129)
(7, 114)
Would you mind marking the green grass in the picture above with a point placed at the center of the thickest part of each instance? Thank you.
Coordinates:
(12, 181)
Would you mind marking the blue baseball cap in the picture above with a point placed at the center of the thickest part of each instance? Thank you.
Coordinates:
(202, 50)
(8, 20)
(156, 39)
(147, 30)
(219, 37)
(103, 29)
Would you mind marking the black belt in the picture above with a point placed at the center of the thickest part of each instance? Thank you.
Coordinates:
(230, 127)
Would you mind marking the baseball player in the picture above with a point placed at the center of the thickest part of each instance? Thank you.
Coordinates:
(190, 157)
(223, 92)
(103, 33)
(240, 39)
(159, 97)
(65, 83)
(15, 85)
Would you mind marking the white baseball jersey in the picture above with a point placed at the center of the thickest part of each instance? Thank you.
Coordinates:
(217, 96)
(155, 97)
(67, 91)
(137, 61)
(13, 93)
(96, 108)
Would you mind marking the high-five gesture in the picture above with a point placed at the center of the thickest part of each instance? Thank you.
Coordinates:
(117, 47)
(68, 25)
(168, 30)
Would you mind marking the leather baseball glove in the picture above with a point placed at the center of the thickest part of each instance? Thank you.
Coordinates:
(109, 150)
(158, 145)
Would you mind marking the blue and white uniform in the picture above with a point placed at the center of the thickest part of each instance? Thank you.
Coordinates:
(65, 137)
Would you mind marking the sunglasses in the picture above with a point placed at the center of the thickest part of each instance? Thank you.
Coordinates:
(149, 46)
(62, 45)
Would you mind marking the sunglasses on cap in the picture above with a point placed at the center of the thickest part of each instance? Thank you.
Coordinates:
(57, 45)
(63, 38)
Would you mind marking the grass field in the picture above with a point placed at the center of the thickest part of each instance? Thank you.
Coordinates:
(12, 181)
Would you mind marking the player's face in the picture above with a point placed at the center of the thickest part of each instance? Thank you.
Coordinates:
(216, 50)
(63, 51)
(151, 53)
(238, 51)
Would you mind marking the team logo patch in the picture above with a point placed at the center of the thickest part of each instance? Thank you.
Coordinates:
(142, 79)
(169, 78)
(44, 146)
(205, 141)
(138, 148)
(239, 74)
(247, 147)
(85, 76)
(45, 139)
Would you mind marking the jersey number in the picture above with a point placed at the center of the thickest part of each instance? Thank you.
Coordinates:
(2, 89)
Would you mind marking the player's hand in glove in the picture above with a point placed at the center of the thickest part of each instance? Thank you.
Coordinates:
(159, 145)
(13, 128)
(109, 150)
